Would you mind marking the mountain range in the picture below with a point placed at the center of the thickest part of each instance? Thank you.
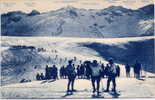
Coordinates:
(111, 22)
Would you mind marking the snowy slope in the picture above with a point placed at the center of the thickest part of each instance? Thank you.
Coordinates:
(114, 21)
(22, 63)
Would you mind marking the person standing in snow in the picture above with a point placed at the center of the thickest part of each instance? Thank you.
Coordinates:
(111, 71)
(137, 67)
(118, 71)
(71, 73)
(55, 72)
(127, 68)
(78, 71)
(96, 71)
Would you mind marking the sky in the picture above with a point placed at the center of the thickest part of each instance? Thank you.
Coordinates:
(48, 5)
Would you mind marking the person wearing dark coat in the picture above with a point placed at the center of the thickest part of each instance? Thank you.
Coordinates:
(61, 72)
(87, 69)
(71, 73)
(127, 68)
(118, 71)
(137, 67)
(47, 73)
(78, 71)
(55, 72)
(111, 71)
(103, 70)
(82, 71)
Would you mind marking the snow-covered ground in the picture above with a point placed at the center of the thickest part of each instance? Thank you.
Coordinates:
(126, 87)
(69, 48)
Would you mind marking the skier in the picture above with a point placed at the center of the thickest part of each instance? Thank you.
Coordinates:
(118, 70)
(127, 68)
(103, 70)
(47, 73)
(55, 72)
(61, 72)
(88, 69)
(111, 74)
(95, 76)
(82, 71)
(71, 73)
(137, 67)
(78, 71)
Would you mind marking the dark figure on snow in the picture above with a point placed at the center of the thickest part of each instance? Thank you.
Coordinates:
(47, 73)
(103, 70)
(127, 68)
(38, 77)
(95, 76)
(88, 69)
(137, 68)
(62, 72)
(78, 71)
(71, 73)
(55, 72)
(82, 71)
(118, 70)
(42, 76)
(111, 71)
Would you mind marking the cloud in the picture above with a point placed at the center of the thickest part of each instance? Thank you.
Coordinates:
(129, 2)
(145, 0)
(30, 4)
(111, 1)
(66, 1)
(90, 3)
(8, 4)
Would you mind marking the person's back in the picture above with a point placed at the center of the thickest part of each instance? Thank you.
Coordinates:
(112, 74)
(138, 69)
(127, 67)
(112, 70)
(71, 73)
(95, 75)
(96, 71)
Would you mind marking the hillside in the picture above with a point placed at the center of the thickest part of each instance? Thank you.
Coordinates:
(114, 21)
(24, 57)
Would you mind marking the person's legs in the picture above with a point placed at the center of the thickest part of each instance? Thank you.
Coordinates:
(98, 84)
(72, 83)
(108, 84)
(114, 84)
(93, 84)
(69, 82)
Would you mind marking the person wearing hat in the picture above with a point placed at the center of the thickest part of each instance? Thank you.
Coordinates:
(96, 71)
(111, 74)
(71, 73)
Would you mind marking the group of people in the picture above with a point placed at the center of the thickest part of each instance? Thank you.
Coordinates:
(91, 70)
(137, 67)
(50, 73)
(96, 72)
